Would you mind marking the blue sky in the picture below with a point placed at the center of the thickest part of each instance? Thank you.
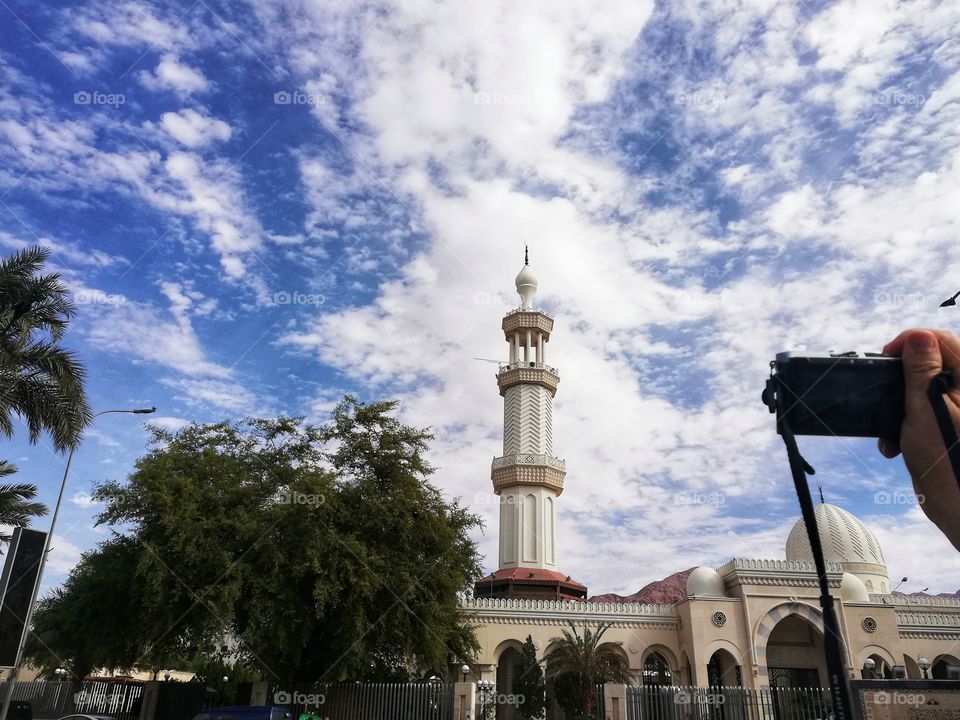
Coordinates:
(259, 207)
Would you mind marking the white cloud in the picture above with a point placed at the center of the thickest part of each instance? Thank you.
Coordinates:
(194, 129)
(172, 74)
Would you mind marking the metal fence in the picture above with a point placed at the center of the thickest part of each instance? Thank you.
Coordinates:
(370, 701)
(727, 703)
(54, 699)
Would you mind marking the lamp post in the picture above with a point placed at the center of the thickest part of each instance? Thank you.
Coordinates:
(4, 712)
(465, 669)
(924, 665)
(868, 665)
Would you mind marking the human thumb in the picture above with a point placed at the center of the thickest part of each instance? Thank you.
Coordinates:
(921, 363)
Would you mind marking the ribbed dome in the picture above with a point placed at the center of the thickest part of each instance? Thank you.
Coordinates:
(705, 582)
(845, 539)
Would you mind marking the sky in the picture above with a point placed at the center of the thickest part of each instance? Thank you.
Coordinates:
(259, 207)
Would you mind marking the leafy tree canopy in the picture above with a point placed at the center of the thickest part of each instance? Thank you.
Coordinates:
(324, 552)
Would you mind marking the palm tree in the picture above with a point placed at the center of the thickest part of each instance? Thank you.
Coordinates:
(17, 503)
(39, 381)
(579, 663)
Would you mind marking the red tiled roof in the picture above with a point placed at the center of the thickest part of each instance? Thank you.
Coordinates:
(532, 575)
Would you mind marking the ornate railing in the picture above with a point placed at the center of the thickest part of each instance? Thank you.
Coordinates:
(528, 365)
(569, 607)
(529, 459)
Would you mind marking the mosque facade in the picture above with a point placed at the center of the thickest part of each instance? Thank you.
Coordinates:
(753, 623)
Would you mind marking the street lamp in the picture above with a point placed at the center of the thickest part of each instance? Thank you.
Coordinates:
(465, 669)
(924, 665)
(868, 665)
(4, 712)
(902, 581)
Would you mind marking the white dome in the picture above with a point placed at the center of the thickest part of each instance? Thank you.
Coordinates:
(527, 285)
(845, 539)
(852, 589)
(705, 582)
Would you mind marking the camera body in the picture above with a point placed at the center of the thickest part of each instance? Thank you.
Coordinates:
(846, 394)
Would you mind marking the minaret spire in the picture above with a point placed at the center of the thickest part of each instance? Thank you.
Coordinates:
(820, 488)
(528, 477)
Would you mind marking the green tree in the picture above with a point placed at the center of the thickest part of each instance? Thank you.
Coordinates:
(579, 663)
(39, 381)
(528, 682)
(324, 552)
(92, 620)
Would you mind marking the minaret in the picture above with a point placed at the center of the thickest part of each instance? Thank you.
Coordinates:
(528, 477)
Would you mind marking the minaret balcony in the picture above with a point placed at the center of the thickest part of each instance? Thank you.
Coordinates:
(528, 469)
(534, 373)
(523, 319)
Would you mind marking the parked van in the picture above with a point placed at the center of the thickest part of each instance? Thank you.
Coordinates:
(245, 712)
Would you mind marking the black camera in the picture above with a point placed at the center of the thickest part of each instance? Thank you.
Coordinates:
(845, 394)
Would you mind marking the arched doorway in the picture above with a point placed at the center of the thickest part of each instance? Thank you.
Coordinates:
(797, 669)
(507, 667)
(881, 668)
(794, 654)
(945, 667)
(656, 670)
(723, 670)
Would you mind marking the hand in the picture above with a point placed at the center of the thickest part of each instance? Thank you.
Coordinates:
(926, 353)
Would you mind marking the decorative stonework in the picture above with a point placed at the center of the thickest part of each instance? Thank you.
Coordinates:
(524, 319)
(745, 571)
(554, 612)
(529, 459)
(540, 374)
(869, 624)
(719, 618)
(521, 474)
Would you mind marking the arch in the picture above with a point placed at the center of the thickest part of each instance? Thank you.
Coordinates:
(723, 669)
(940, 666)
(656, 670)
(727, 646)
(505, 645)
(879, 652)
(664, 651)
(769, 621)
(913, 670)
(507, 665)
(529, 532)
(617, 647)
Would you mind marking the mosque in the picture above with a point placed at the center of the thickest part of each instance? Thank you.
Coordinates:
(753, 623)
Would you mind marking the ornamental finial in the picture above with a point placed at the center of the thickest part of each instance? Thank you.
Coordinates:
(526, 254)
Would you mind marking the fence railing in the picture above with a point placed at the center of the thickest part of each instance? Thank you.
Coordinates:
(370, 701)
(54, 699)
(727, 703)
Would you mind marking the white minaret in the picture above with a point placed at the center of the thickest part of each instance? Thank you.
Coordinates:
(528, 477)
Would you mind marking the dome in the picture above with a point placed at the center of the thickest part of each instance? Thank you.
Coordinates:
(527, 286)
(705, 582)
(852, 589)
(845, 540)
